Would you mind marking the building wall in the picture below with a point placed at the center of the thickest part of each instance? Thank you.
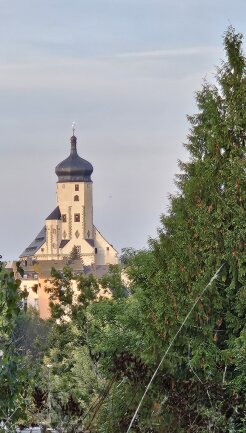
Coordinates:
(87, 251)
(88, 211)
(44, 309)
(75, 202)
(28, 284)
(53, 237)
(105, 252)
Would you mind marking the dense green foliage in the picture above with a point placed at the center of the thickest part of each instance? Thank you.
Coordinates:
(201, 386)
(23, 343)
(13, 371)
(101, 353)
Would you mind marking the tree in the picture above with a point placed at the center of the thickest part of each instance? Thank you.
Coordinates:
(31, 336)
(114, 282)
(201, 385)
(14, 376)
(75, 382)
(205, 228)
(75, 254)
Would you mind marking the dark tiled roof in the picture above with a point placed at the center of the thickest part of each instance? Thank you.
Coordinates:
(55, 215)
(35, 245)
(90, 242)
(98, 270)
(63, 243)
(74, 168)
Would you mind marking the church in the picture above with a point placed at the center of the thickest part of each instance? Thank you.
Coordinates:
(69, 236)
(70, 225)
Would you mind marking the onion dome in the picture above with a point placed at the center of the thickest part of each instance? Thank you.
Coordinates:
(74, 168)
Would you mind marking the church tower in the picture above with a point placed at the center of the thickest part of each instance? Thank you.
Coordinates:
(74, 195)
(69, 228)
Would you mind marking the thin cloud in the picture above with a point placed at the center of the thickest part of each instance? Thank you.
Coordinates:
(170, 53)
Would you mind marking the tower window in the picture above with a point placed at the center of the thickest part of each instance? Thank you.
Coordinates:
(76, 217)
(95, 250)
(76, 198)
(76, 187)
(64, 218)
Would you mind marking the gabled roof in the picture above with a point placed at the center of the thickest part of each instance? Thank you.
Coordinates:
(105, 239)
(55, 215)
(35, 245)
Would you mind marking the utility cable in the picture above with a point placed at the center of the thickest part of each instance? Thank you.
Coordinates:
(170, 345)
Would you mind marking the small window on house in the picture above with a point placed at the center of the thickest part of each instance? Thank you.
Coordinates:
(64, 218)
(107, 248)
(42, 249)
(24, 304)
(76, 198)
(54, 231)
(76, 187)
(95, 250)
(76, 217)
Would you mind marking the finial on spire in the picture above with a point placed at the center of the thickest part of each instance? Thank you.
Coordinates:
(73, 127)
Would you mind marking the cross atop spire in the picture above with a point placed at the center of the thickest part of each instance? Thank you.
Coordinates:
(73, 127)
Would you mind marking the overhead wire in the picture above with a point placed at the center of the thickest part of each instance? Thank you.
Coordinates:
(214, 277)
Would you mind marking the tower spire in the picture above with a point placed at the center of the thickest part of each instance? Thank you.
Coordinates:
(73, 128)
(73, 141)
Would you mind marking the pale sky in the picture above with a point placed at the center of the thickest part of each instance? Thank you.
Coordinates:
(126, 71)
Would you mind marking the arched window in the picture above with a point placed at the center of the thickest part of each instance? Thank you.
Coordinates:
(76, 198)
